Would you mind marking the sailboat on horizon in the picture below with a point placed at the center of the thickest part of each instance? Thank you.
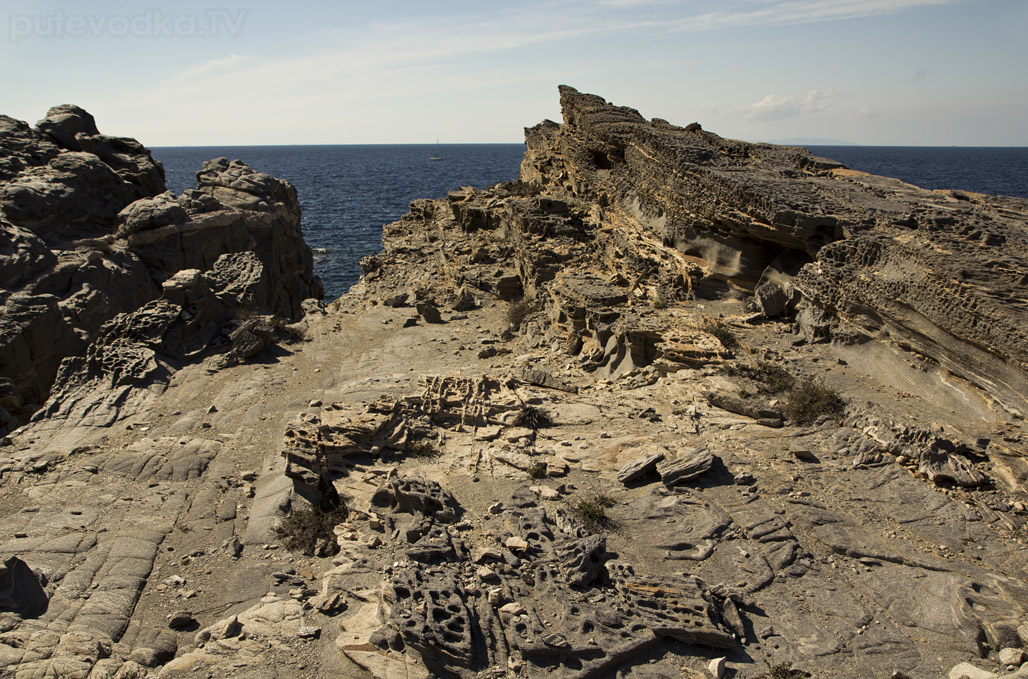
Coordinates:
(438, 152)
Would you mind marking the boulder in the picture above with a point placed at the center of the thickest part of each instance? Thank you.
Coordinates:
(640, 467)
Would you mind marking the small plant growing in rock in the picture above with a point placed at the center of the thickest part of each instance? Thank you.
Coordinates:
(517, 312)
(774, 377)
(722, 331)
(523, 189)
(422, 450)
(591, 511)
(537, 471)
(531, 418)
(782, 671)
(810, 400)
(304, 528)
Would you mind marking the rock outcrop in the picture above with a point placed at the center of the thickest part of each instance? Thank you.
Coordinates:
(939, 273)
(669, 406)
(101, 266)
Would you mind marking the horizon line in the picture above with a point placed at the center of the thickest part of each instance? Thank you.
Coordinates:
(522, 143)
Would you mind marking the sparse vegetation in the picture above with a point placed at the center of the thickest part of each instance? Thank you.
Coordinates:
(422, 450)
(517, 312)
(722, 331)
(782, 671)
(810, 400)
(537, 471)
(303, 528)
(773, 379)
(591, 511)
(523, 189)
(532, 418)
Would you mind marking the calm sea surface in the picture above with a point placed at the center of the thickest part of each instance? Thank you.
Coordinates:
(348, 193)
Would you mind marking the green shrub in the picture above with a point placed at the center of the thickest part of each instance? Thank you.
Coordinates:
(722, 331)
(301, 530)
(591, 512)
(422, 450)
(775, 378)
(531, 418)
(810, 400)
(782, 671)
(537, 471)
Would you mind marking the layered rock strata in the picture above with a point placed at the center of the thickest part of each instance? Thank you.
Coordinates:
(939, 273)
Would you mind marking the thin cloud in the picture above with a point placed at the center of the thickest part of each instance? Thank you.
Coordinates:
(920, 75)
(779, 108)
(776, 13)
(634, 3)
(213, 67)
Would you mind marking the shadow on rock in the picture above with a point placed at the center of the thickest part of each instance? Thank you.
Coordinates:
(22, 589)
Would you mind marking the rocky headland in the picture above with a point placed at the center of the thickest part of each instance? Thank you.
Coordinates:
(668, 405)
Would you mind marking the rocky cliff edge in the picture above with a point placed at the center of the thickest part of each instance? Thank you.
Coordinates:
(106, 275)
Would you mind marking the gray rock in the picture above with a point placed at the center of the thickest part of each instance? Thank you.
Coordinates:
(430, 312)
(417, 496)
(968, 671)
(181, 620)
(686, 466)
(65, 181)
(582, 560)
(774, 301)
(757, 411)
(541, 378)
(640, 467)
(395, 301)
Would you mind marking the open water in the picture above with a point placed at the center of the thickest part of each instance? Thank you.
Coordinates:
(348, 193)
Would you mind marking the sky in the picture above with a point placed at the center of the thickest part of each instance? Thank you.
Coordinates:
(880, 72)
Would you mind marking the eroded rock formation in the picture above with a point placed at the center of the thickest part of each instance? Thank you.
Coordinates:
(101, 266)
(669, 406)
(939, 272)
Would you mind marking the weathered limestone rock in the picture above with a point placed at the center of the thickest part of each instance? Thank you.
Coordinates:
(747, 213)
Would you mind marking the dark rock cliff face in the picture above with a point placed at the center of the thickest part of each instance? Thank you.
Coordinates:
(941, 273)
(88, 233)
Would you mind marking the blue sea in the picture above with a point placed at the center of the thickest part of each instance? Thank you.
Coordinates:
(984, 169)
(348, 193)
